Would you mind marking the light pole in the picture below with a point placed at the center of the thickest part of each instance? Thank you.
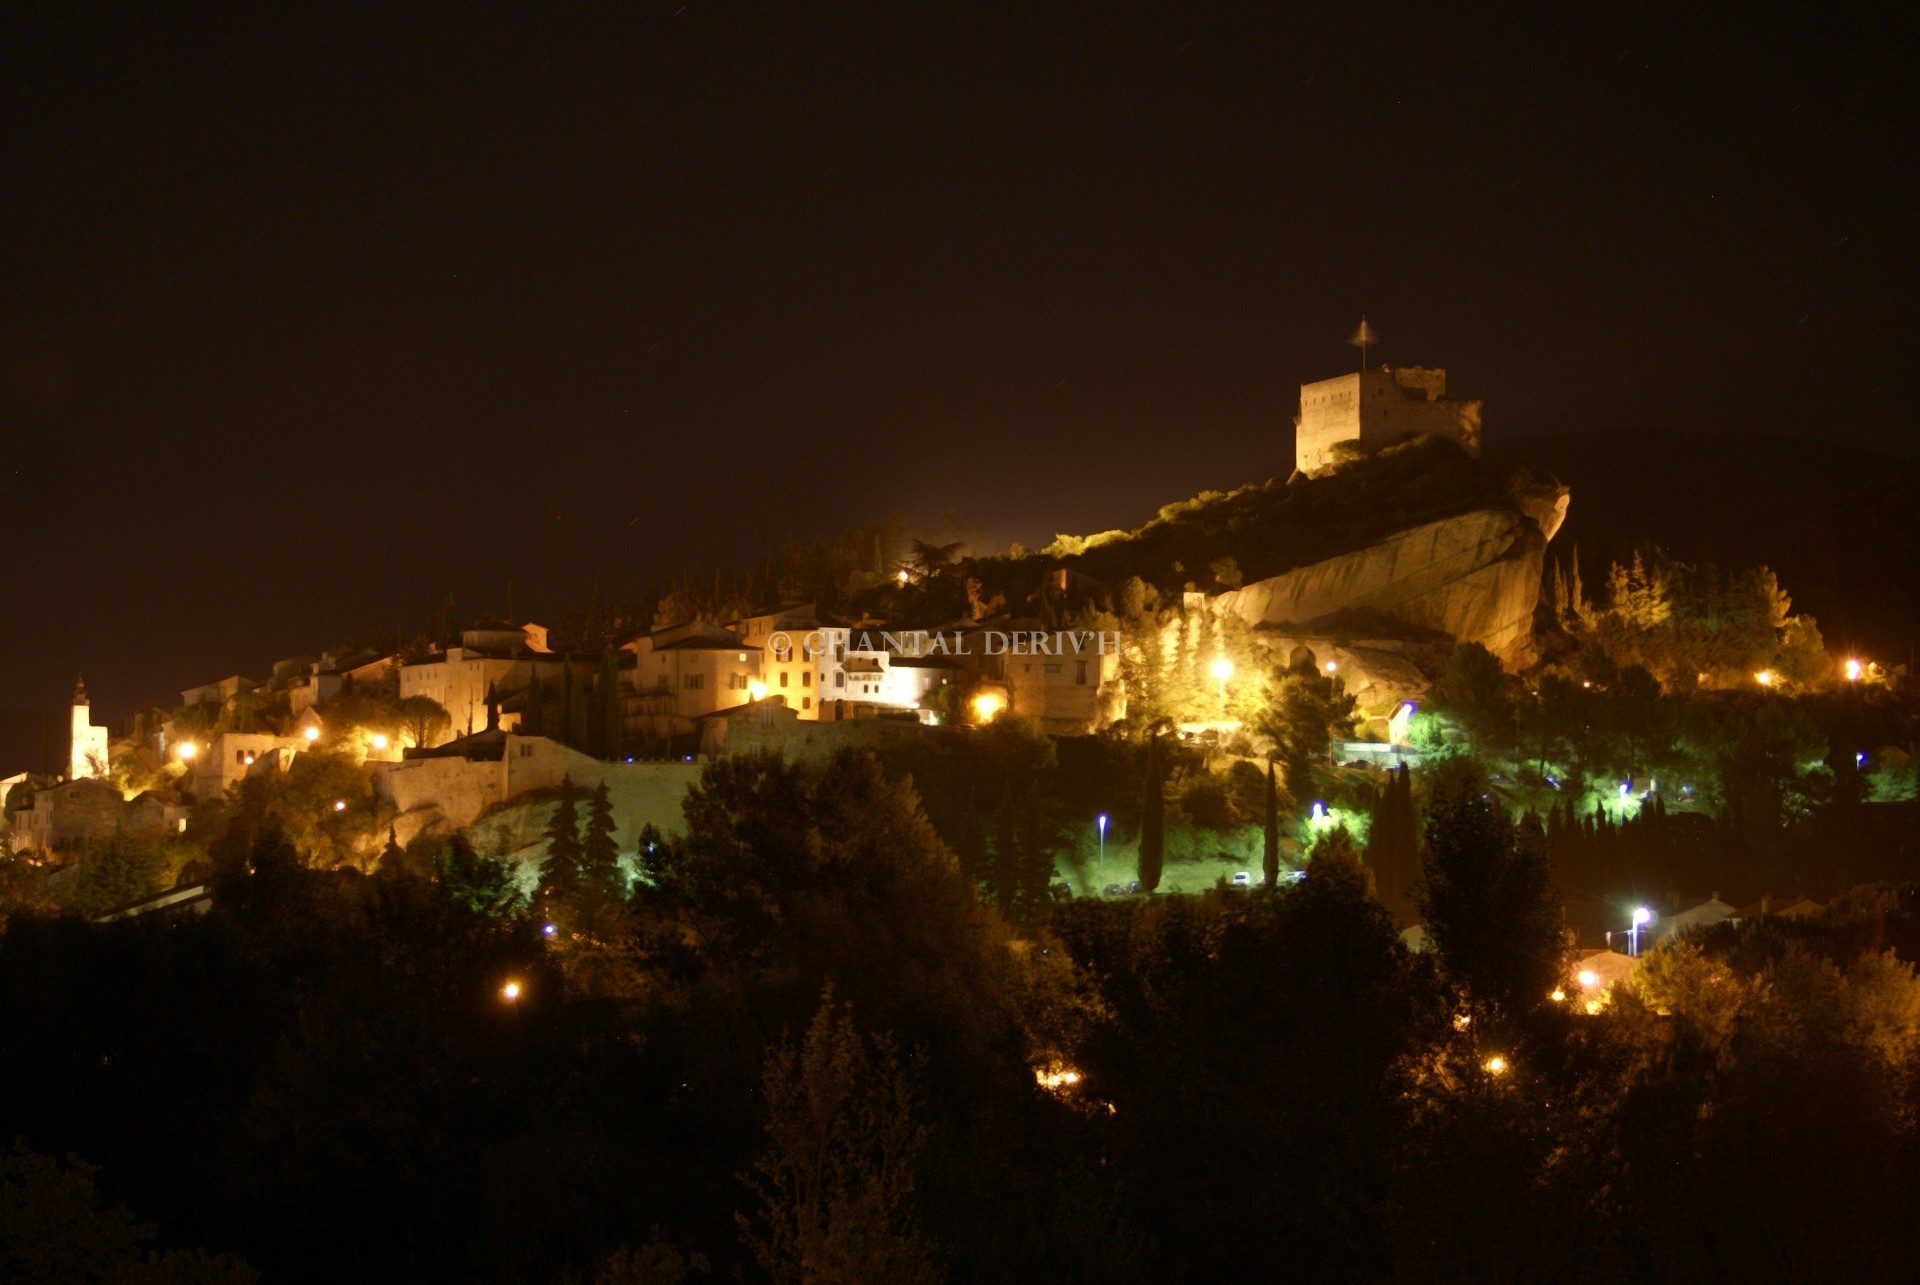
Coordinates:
(1100, 824)
(1222, 670)
(1641, 915)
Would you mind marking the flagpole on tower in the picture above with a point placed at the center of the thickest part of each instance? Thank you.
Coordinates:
(1362, 339)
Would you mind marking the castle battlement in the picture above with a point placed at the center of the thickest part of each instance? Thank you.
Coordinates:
(1377, 408)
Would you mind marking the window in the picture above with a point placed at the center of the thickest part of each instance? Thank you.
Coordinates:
(1051, 669)
(783, 678)
(806, 678)
(694, 682)
(806, 702)
(839, 678)
(1080, 672)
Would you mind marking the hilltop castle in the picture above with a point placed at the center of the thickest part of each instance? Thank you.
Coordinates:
(1377, 408)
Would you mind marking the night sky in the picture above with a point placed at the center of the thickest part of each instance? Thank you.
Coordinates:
(311, 315)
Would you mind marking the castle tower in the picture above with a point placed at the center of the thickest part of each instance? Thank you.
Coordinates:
(1374, 409)
(88, 756)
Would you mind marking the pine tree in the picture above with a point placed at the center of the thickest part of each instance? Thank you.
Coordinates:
(600, 849)
(1270, 850)
(1153, 822)
(561, 876)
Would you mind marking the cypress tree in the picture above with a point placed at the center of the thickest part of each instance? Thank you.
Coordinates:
(1270, 851)
(566, 704)
(393, 859)
(1153, 823)
(533, 715)
(610, 723)
(579, 715)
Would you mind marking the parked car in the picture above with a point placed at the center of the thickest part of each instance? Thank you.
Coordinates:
(1062, 891)
(1243, 880)
(1133, 889)
(1111, 890)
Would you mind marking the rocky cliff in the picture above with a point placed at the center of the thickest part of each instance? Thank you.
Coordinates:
(1474, 576)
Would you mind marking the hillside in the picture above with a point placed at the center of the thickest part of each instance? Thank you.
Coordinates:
(1840, 526)
(1269, 528)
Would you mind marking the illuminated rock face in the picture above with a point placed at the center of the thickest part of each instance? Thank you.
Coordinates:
(1475, 577)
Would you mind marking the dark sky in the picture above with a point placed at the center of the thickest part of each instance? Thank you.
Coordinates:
(311, 314)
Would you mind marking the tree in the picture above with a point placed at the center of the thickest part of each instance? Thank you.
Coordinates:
(1393, 845)
(611, 721)
(424, 720)
(1473, 691)
(1270, 840)
(120, 869)
(600, 849)
(836, 1183)
(1303, 710)
(533, 714)
(1153, 819)
(1488, 897)
(55, 1227)
(561, 873)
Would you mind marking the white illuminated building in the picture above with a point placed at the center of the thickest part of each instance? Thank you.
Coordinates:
(89, 746)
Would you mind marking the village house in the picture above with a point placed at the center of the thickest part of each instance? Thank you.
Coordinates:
(62, 817)
(486, 665)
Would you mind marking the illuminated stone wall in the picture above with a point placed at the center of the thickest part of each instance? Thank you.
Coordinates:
(1377, 408)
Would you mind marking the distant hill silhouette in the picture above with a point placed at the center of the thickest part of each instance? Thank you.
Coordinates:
(1840, 526)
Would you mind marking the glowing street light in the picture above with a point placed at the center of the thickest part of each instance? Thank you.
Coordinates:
(1222, 670)
(510, 992)
(379, 741)
(1333, 667)
(1764, 678)
(1589, 979)
(1853, 670)
(185, 750)
(756, 690)
(1559, 996)
(1641, 915)
(339, 805)
(987, 706)
(312, 733)
(1100, 824)
(1496, 1065)
(548, 930)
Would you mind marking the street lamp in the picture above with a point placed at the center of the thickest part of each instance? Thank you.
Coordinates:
(312, 733)
(510, 992)
(185, 750)
(1222, 669)
(1641, 915)
(1100, 824)
(1853, 670)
